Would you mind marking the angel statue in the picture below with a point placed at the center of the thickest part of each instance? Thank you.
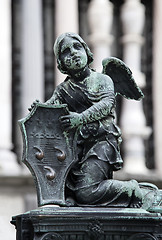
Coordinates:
(90, 97)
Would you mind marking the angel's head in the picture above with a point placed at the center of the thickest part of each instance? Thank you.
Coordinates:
(72, 53)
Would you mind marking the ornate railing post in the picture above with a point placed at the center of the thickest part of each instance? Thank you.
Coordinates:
(133, 121)
(100, 16)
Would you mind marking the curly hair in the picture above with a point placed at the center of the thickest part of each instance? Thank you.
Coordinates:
(57, 46)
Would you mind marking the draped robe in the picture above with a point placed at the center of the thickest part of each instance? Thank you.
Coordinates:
(98, 142)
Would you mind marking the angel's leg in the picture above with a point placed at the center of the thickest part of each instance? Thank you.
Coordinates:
(94, 188)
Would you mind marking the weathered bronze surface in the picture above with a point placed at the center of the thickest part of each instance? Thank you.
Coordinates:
(72, 143)
(72, 148)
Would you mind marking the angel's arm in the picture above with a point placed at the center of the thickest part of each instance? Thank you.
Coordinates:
(97, 111)
(100, 109)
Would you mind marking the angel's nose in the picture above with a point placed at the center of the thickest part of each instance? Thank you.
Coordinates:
(73, 51)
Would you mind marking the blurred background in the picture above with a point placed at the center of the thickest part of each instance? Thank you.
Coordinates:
(129, 30)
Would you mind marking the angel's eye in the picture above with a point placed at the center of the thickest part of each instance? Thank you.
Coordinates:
(77, 46)
(65, 51)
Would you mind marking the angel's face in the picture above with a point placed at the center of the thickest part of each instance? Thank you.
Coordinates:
(72, 54)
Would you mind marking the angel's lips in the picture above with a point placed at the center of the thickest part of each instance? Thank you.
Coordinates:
(77, 61)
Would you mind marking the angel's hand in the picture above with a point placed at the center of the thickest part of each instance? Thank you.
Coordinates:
(53, 101)
(33, 104)
(72, 120)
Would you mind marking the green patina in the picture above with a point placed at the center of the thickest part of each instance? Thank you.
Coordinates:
(89, 117)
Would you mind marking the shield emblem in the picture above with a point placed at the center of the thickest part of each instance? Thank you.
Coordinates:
(48, 151)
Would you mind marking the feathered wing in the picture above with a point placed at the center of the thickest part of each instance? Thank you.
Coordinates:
(121, 75)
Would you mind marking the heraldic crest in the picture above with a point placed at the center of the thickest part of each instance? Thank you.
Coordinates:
(48, 151)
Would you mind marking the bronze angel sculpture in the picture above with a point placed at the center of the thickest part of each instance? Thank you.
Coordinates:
(90, 98)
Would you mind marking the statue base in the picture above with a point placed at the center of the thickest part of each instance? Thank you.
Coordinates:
(75, 223)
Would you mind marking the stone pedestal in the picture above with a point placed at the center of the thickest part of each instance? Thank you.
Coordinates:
(63, 223)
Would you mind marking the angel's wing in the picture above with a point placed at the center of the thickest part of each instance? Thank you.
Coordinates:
(121, 75)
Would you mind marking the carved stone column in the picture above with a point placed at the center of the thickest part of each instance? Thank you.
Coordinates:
(100, 16)
(8, 165)
(32, 53)
(66, 19)
(133, 121)
(157, 86)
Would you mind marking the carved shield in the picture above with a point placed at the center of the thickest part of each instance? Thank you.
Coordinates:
(48, 151)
